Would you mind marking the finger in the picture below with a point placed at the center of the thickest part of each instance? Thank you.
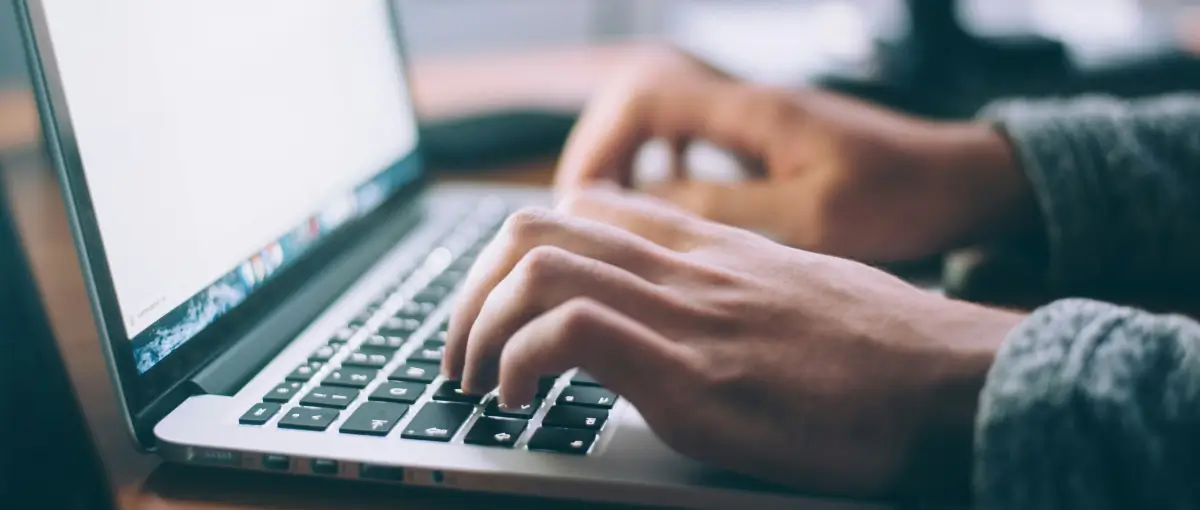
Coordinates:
(616, 126)
(548, 277)
(648, 217)
(677, 149)
(755, 205)
(622, 354)
(604, 142)
(526, 230)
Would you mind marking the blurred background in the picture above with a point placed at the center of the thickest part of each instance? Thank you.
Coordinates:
(793, 40)
(940, 58)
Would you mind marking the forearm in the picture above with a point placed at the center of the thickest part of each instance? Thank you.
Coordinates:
(1117, 188)
(1089, 405)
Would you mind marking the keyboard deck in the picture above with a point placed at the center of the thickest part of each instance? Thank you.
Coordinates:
(383, 368)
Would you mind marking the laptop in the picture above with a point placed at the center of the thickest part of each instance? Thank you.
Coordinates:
(44, 438)
(270, 265)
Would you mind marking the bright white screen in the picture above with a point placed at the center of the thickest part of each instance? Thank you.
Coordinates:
(209, 129)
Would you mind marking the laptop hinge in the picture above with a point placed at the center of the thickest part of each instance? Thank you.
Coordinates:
(255, 348)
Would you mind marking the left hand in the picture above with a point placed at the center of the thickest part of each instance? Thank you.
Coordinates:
(801, 368)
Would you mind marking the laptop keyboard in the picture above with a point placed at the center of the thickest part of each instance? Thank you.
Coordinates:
(370, 386)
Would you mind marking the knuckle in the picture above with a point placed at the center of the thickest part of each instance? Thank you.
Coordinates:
(542, 265)
(577, 201)
(529, 222)
(577, 319)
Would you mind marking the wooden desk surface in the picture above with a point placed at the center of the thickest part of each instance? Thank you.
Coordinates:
(560, 79)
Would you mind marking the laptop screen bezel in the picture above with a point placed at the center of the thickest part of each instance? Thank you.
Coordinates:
(139, 391)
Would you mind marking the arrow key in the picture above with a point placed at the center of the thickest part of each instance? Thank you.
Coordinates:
(495, 432)
(374, 419)
(524, 411)
(587, 396)
(571, 441)
(575, 417)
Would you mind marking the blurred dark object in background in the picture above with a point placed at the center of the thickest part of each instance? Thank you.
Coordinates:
(494, 139)
(942, 68)
(937, 58)
(48, 458)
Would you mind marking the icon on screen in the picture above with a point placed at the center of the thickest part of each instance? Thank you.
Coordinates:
(274, 255)
(260, 268)
(246, 272)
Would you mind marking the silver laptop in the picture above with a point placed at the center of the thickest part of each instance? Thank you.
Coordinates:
(270, 268)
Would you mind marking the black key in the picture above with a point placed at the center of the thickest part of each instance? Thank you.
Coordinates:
(259, 414)
(495, 432)
(384, 342)
(364, 316)
(399, 327)
(582, 378)
(368, 359)
(305, 418)
(546, 385)
(398, 391)
(450, 391)
(587, 396)
(450, 278)
(553, 439)
(329, 396)
(464, 261)
(416, 311)
(437, 421)
(438, 339)
(374, 419)
(305, 372)
(575, 417)
(432, 294)
(343, 335)
(283, 392)
(415, 372)
(351, 377)
(523, 411)
(428, 355)
(323, 353)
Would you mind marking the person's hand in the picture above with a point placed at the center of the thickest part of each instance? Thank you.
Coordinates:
(802, 368)
(837, 175)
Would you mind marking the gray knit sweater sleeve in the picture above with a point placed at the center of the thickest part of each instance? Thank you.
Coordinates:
(1091, 405)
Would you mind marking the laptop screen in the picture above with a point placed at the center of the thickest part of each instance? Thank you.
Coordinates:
(222, 139)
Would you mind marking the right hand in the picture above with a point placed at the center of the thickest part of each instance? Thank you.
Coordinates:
(838, 176)
(805, 369)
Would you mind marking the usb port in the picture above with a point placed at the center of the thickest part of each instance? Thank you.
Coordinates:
(381, 473)
(276, 462)
(324, 467)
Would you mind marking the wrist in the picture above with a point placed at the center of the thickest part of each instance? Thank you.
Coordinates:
(967, 338)
(979, 173)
